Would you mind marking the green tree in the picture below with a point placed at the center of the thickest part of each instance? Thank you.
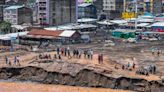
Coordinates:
(88, 1)
(5, 27)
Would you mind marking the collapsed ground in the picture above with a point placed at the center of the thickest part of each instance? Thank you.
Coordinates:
(118, 55)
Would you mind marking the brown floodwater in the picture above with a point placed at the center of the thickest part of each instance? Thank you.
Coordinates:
(35, 87)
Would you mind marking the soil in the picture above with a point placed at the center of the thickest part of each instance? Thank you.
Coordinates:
(34, 87)
(78, 75)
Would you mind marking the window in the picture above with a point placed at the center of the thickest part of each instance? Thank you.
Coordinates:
(7, 11)
(14, 21)
(54, 21)
(14, 16)
(13, 11)
(42, 8)
(42, 14)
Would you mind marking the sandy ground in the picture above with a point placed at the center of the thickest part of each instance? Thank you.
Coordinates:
(34, 87)
(28, 57)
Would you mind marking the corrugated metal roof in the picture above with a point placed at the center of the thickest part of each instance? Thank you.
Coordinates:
(86, 20)
(84, 5)
(71, 26)
(158, 24)
(67, 33)
(14, 7)
(12, 35)
(143, 24)
(42, 32)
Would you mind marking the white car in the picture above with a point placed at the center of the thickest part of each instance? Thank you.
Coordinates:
(131, 40)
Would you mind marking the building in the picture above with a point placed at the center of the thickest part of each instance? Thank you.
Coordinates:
(162, 5)
(2, 2)
(99, 6)
(157, 6)
(11, 38)
(74, 26)
(87, 10)
(40, 36)
(56, 12)
(18, 15)
(16, 2)
(113, 8)
(154, 6)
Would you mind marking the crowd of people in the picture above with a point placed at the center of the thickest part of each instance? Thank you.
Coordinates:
(45, 56)
(150, 70)
(16, 61)
(129, 66)
(72, 53)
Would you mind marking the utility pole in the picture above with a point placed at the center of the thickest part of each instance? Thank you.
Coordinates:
(136, 12)
(124, 5)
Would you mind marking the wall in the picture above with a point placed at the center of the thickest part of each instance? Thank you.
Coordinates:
(62, 11)
(24, 15)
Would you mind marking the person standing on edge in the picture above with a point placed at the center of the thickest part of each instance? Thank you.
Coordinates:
(18, 61)
(102, 58)
(128, 64)
(58, 50)
(15, 60)
(85, 53)
(65, 52)
(152, 51)
(68, 51)
(91, 52)
(69, 54)
(62, 51)
(158, 52)
(7, 60)
(80, 51)
(134, 65)
(99, 58)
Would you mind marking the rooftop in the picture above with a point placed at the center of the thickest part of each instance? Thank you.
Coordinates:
(14, 7)
(86, 20)
(67, 33)
(71, 26)
(84, 5)
(159, 24)
(41, 32)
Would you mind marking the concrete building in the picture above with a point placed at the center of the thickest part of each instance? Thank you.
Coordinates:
(162, 5)
(2, 2)
(18, 15)
(113, 8)
(56, 12)
(99, 5)
(87, 10)
(157, 6)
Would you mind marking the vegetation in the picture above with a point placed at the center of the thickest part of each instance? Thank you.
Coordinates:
(5, 27)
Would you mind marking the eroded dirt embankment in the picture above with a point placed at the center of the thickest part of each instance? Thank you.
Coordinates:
(85, 77)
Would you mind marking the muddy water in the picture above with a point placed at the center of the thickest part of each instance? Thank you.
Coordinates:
(34, 87)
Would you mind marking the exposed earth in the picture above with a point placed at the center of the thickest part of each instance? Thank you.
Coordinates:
(88, 73)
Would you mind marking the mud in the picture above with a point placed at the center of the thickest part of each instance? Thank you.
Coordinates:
(84, 77)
